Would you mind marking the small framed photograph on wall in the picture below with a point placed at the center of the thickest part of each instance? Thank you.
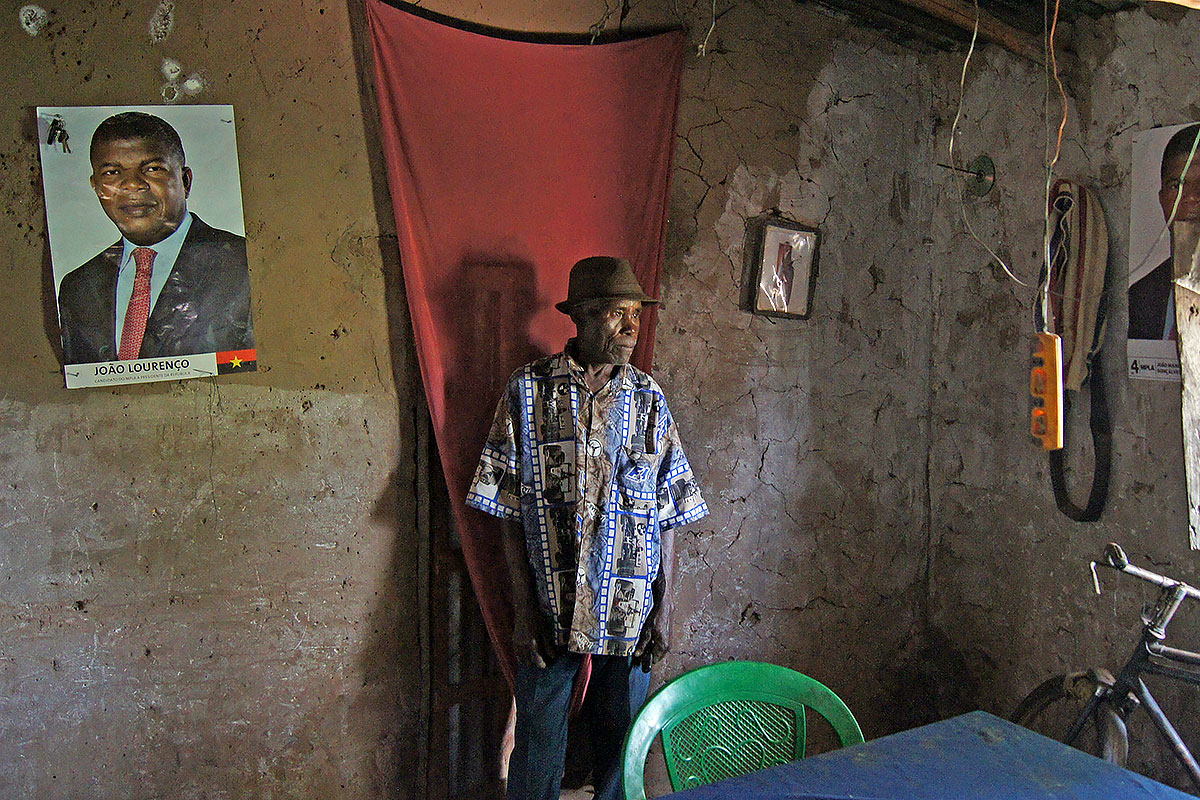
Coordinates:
(785, 268)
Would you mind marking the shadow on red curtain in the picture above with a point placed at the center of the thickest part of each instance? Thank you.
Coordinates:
(508, 161)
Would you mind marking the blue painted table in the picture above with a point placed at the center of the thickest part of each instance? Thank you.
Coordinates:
(973, 757)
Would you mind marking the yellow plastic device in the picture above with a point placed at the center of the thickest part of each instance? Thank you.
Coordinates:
(1046, 386)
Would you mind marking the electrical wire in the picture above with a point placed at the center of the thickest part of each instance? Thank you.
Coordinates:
(962, 88)
(1051, 159)
(598, 27)
(704, 45)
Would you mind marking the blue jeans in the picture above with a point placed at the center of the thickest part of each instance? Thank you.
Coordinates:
(616, 692)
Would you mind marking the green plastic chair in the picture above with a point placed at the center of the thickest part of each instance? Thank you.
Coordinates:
(730, 719)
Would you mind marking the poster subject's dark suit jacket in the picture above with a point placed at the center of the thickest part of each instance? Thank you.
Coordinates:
(1148, 302)
(203, 308)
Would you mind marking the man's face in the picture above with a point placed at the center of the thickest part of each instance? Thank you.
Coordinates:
(1189, 203)
(607, 331)
(142, 188)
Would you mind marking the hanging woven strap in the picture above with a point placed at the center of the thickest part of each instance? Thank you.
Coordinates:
(1075, 276)
(1101, 426)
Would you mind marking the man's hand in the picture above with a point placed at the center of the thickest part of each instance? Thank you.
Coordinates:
(533, 632)
(655, 639)
(652, 644)
(533, 639)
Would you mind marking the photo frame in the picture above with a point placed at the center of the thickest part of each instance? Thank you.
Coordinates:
(783, 267)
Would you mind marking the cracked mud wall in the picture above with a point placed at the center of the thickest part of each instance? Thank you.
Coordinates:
(207, 589)
(880, 509)
(989, 486)
(1011, 586)
(809, 434)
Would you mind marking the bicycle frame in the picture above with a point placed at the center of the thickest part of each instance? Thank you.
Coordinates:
(1151, 657)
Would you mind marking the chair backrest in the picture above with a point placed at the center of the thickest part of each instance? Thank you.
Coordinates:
(730, 719)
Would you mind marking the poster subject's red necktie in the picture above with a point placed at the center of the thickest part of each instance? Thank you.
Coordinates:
(139, 305)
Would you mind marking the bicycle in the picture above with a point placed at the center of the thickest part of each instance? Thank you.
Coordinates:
(1098, 727)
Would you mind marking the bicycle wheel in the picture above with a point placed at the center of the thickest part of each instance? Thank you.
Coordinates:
(1052, 707)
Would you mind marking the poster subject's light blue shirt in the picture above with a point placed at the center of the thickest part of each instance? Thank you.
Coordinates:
(166, 252)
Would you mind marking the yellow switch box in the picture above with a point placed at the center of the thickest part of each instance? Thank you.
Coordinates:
(1046, 386)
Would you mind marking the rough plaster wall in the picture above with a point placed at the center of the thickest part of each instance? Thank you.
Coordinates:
(811, 434)
(207, 589)
(989, 487)
(1012, 594)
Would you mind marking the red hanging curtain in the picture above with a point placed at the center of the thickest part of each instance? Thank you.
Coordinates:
(508, 161)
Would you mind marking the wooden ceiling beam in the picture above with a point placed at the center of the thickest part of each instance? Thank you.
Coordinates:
(962, 15)
(943, 23)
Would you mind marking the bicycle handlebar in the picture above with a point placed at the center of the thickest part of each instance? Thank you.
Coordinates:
(1114, 558)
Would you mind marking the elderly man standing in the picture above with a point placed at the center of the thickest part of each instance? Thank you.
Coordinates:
(584, 464)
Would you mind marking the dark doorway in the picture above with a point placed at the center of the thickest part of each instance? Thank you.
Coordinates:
(469, 700)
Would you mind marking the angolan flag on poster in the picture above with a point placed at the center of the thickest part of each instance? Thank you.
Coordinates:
(236, 361)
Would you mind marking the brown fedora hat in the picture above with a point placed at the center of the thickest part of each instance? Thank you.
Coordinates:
(602, 278)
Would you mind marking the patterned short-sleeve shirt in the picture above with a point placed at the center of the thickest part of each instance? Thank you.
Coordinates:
(594, 478)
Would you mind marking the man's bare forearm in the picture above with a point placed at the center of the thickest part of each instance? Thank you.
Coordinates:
(533, 640)
(661, 588)
(520, 576)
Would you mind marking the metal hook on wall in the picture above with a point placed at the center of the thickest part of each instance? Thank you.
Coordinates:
(983, 175)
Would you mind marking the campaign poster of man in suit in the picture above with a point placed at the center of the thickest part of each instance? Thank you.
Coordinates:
(170, 298)
(1165, 188)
